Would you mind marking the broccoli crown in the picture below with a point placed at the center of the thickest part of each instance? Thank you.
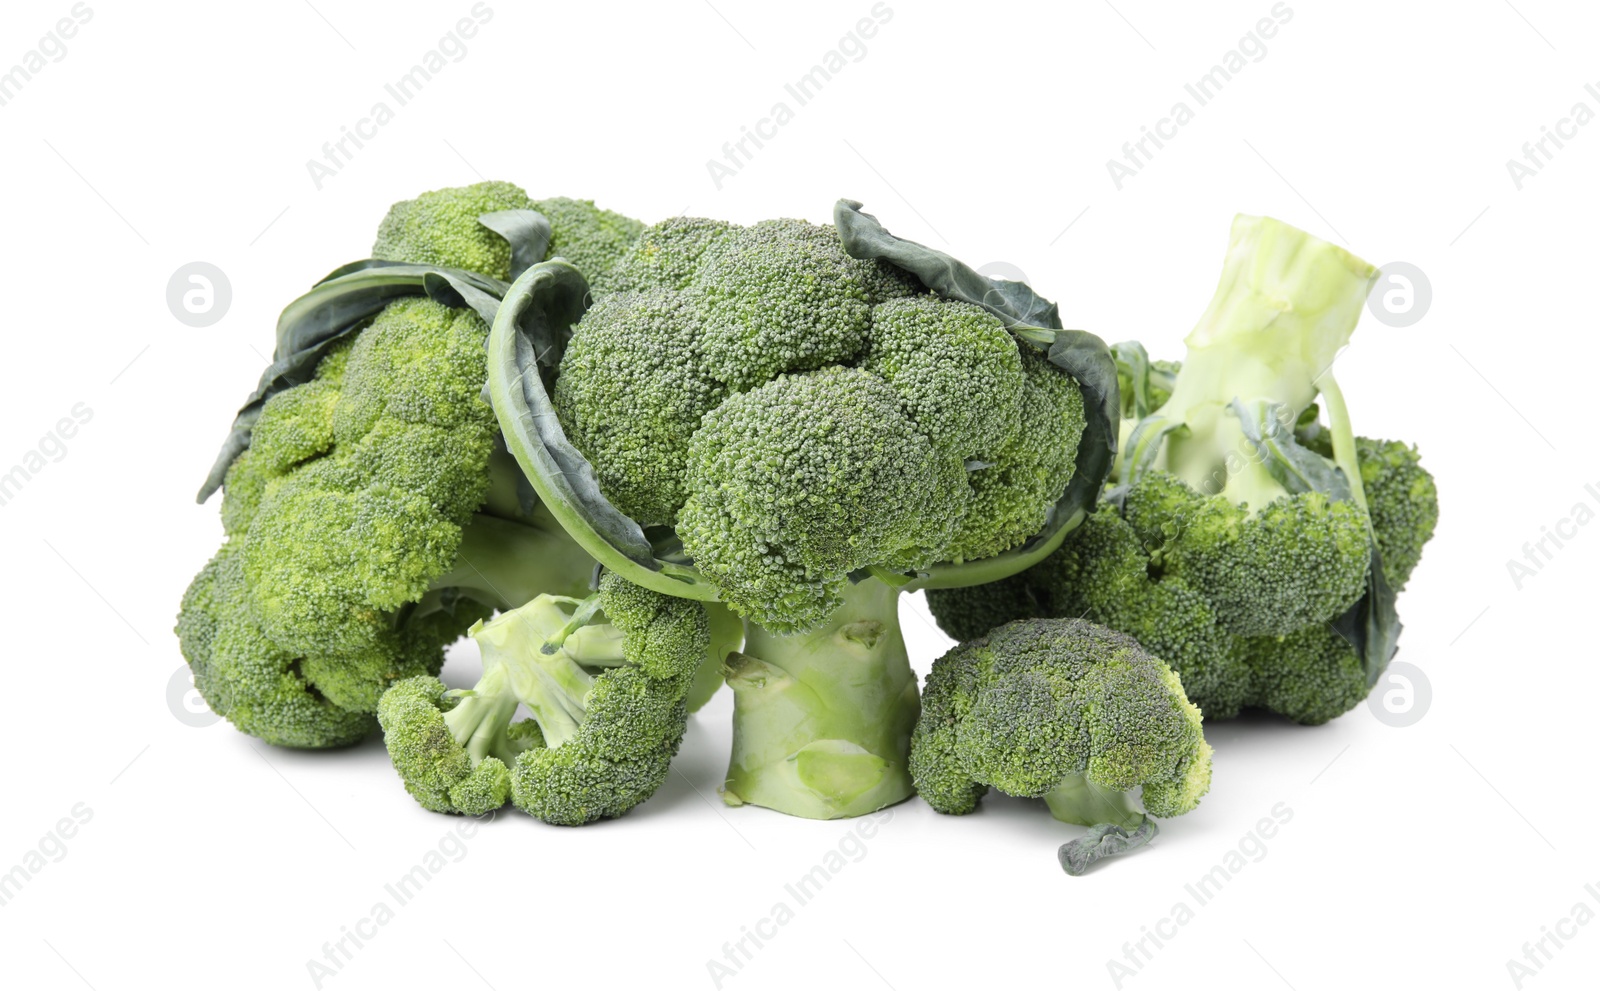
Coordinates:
(346, 508)
(441, 228)
(796, 484)
(359, 537)
(607, 680)
(1034, 706)
(1209, 587)
(590, 238)
(798, 414)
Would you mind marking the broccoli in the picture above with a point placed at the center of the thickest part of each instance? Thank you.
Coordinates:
(375, 514)
(607, 679)
(761, 417)
(442, 228)
(587, 236)
(1067, 711)
(1252, 547)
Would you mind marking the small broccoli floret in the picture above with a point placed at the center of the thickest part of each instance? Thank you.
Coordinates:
(1063, 710)
(1014, 490)
(1402, 501)
(607, 679)
(1309, 676)
(592, 239)
(633, 388)
(781, 296)
(670, 254)
(955, 368)
(796, 484)
(263, 689)
(441, 228)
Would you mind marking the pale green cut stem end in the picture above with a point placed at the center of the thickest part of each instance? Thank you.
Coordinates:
(822, 721)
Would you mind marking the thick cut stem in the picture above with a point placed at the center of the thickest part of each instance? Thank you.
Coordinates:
(822, 721)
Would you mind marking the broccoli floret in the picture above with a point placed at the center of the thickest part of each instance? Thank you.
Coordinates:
(1067, 711)
(342, 541)
(375, 515)
(781, 296)
(799, 482)
(607, 680)
(1309, 676)
(631, 395)
(670, 254)
(1402, 500)
(441, 228)
(955, 368)
(263, 689)
(590, 238)
(1014, 490)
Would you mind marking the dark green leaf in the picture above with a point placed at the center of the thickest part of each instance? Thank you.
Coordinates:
(528, 233)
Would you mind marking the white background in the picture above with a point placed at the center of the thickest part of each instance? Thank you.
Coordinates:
(1418, 856)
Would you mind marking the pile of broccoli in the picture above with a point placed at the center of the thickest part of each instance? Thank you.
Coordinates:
(637, 462)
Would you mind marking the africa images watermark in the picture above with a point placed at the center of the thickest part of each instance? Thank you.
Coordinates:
(1552, 939)
(337, 154)
(51, 849)
(1539, 553)
(1137, 154)
(50, 48)
(851, 48)
(451, 849)
(1537, 154)
(52, 447)
(1251, 849)
(851, 849)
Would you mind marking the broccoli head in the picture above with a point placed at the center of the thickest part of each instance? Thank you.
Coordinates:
(802, 431)
(608, 680)
(799, 415)
(1068, 711)
(375, 515)
(1239, 539)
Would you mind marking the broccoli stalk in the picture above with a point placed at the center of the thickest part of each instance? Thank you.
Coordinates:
(823, 719)
(1285, 306)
